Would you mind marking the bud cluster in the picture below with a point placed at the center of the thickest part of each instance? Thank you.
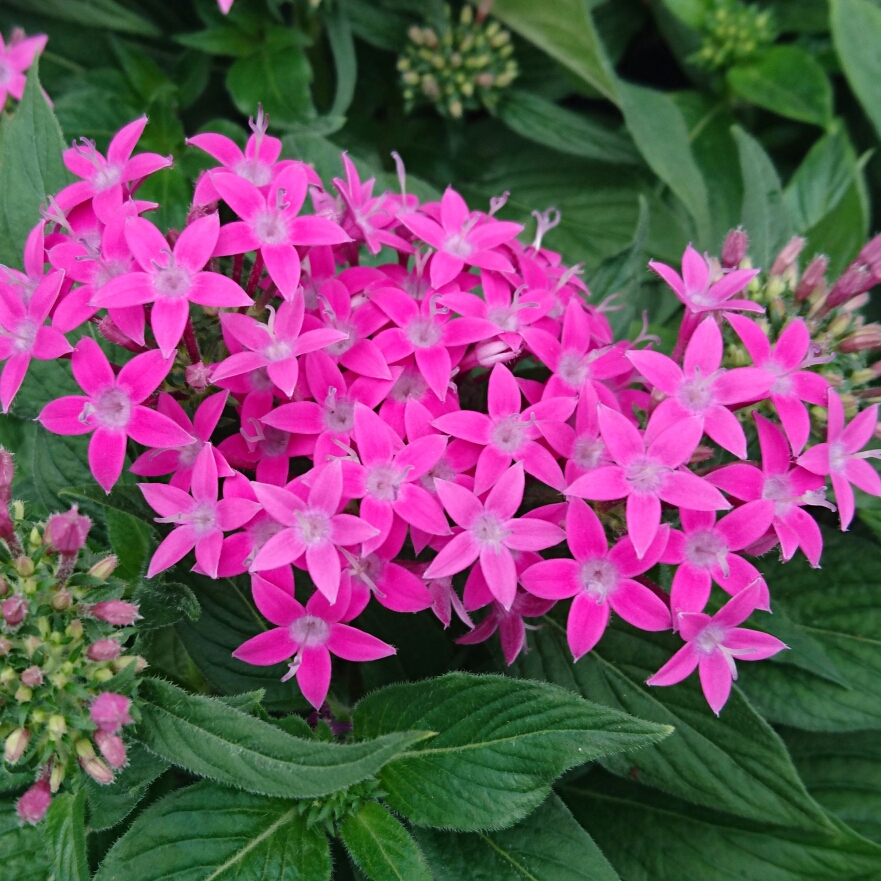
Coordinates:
(468, 65)
(66, 684)
(329, 810)
(733, 32)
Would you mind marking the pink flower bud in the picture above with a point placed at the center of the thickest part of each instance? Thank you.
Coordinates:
(7, 472)
(67, 532)
(15, 745)
(97, 770)
(112, 748)
(103, 569)
(116, 612)
(871, 256)
(4, 587)
(198, 376)
(863, 339)
(856, 279)
(32, 676)
(811, 278)
(5, 646)
(14, 610)
(32, 806)
(61, 600)
(734, 249)
(787, 256)
(104, 650)
(109, 711)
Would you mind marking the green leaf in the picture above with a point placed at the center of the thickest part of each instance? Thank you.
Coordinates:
(856, 32)
(381, 847)
(163, 603)
(22, 848)
(58, 462)
(787, 80)
(214, 740)
(764, 214)
(219, 39)
(565, 30)
(691, 12)
(548, 845)
(128, 500)
(500, 744)
(103, 14)
(66, 837)
(735, 763)
(661, 135)
(382, 28)
(557, 128)
(129, 540)
(31, 168)
(652, 838)
(342, 46)
(207, 831)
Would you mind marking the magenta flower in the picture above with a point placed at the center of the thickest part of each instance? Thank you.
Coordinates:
(274, 345)
(32, 806)
(582, 446)
(104, 180)
(508, 435)
(394, 587)
(14, 61)
(600, 580)
(113, 409)
(841, 459)
(269, 223)
(792, 384)
(24, 334)
(701, 388)
(307, 636)
(462, 238)
(788, 486)
(647, 471)
(713, 644)
(312, 528)
(701, 293)
(171, 278)
(490, 531)
(110, 711)
(199, 518)
(705, 552)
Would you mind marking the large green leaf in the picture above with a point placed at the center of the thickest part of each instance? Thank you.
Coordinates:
(735, 763)
(211, 832)
(548, 845)
(856, 32)
(212, 739)
(31, 168)
(66, 837)
(103, 14)
(500, 744)
(651, 838)
(381, 846)
(565, 30)
(787, 80)
(661, 135)
(22, 848)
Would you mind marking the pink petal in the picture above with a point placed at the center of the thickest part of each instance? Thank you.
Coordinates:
(152, 429)
(585, 533)
(454, 212)
(323, 563)
(661, 371)
(221, 148)
(746, 524)
(744, 482)
(283, 266)
(124, 141)
(643, 520)
(755, 645)
(552, 579)
(816, 459)
(435, 365)
(208, 548)
(419, 508)
(356, 645)
(13, 374)
(492, 463)
(505, 497)
(795, 418)
(372, 434)
(792, 345)
(844, 499)
(670, 276)
(313, 674)
(107, 456)
(314, 230)
(91, 369)
(715, 677)
(863, 476)
(460, 504)
(500, 573)
(346, 530)
(723, 427)
(704, 351)
(690, 589)
(532, 534)
(695, 272)
(742, 385)
(235, 238)
(640, 606)
(679, 667)
(241, 195)
(421, 455)
(458, 554)
(143, 374)
(687, 490)
(214, 289)
(587, 623)
(266, 649)
(622, 440)
(284, 547)
(540, 463)
(504, 393)
(753, 337)
(173, 548)
(168, 320)
(62, 416)
(739, 607)
(674, 445)
(860, 430)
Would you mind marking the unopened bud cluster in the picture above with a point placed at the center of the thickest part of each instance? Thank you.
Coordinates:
(329, 810)
(468, 65)
(733, 32)
(66, 684)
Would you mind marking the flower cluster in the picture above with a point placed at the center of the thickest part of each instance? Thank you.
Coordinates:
(409, 404)
(66, 682)
(733, 32)
(465, 67)
(15, 59)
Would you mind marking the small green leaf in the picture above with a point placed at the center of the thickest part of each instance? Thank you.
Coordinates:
(103, 14)
(22, 848)
(129, 540)
(207, 831)
(381, 847)
(162, 603)
(66, 837)
(214, 740)
(787, 80)
(219, 39)
(856, 32)
(500, 744)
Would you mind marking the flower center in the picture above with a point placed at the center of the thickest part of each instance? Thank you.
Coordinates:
(504, 318)
(706, 549)
(457, 245)
(709, 639)
(24, 336)
(409, 384)
(254, 171)
(5, 73)
(106, 270)
(278, 350)
(424, 333)
(339, 414)
(588, 452)
(186, 456)
(106, 177)
(270, 228)
(441, 470)
(488, 529)
(696, 394)
(837, 457)
(274, 441)
(112, 408)
(572, 369)
(310, 631)
(598, 578)
(644, 475)
(202, 518)
(172, 281)
(509, 434)
(314, 526)
(384, 481)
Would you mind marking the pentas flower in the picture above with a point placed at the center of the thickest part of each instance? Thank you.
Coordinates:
(313, 528)
(701, 388)
(199, 518)
(581, 447)
(600, 580)
(426, 332)
(15, 59)
(25, 335)
(410, 385)
(107, 182)
(306, 636)
(647, 471)
(508, 435)
(21, 285)
(269, 223)
(841, 459)
(274, 345)
(490, 532)
(785, 362)
(713, 644)
(462, 238)
(704, 551)
(394, 587)
(445, 600)
(171, 278)
(113, 409)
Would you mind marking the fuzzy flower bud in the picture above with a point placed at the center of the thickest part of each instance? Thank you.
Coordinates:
(97, 770)
(32, 806)
(788, 255)
(32, 676)
(61, 600)
(116, 612)
(856, 279)
(112, 748)
(24, 566)
(871, 256)
(863, 339)
(7, 473)
(109, 711)
(103, 569)
(198, 376)
(14, 610)
(104, 650)
(5, 646)
(15, 745)
(57, 725)
(734, 248)
(67, 532)
(811, 278)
